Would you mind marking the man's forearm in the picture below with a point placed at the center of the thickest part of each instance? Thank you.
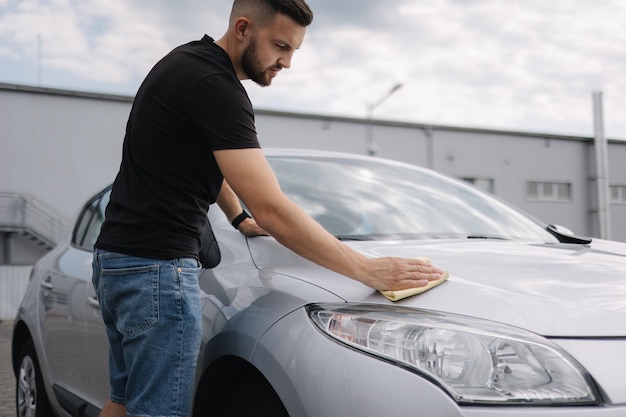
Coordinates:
(231, 206)
(229, 202)
(293, 228)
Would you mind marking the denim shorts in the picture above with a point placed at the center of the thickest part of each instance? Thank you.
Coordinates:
(152, 313)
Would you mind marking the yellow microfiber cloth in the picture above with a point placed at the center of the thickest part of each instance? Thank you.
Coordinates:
(400, 294)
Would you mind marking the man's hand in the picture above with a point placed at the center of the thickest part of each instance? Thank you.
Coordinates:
(398, 273)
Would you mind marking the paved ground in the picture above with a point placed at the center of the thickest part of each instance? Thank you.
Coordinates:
(7, 380)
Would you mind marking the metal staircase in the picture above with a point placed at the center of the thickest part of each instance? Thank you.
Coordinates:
(25, 216)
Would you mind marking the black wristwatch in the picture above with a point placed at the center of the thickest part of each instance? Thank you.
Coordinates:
(237, 220)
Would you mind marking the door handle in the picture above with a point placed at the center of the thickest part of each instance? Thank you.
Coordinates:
(93, 302)
(47, 285)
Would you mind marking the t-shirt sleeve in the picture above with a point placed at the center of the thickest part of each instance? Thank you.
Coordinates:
(222, 111)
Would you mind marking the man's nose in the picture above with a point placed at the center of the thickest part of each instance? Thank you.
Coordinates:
(285, 61)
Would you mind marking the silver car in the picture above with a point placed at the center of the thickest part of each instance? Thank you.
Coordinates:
(531, 322)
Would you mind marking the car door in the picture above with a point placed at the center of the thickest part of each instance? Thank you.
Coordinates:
(63, 290)
(96, 342)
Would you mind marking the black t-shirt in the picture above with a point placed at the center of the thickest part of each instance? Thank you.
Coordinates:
(190, 104)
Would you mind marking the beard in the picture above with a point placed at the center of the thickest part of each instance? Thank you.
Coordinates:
(251, 66)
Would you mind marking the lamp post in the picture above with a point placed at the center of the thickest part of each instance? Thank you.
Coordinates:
(371, 148)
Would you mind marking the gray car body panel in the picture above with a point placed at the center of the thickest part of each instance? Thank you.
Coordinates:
(580, 289)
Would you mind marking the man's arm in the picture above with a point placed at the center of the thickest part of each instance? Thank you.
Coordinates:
(230, 205)
(250, 176)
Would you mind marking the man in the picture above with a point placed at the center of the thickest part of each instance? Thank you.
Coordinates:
(191, 141)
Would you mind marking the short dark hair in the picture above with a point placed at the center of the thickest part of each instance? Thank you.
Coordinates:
(266, 10)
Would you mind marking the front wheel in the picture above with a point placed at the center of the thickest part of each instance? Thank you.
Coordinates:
(239, 394)
(252, 397)
(30, 395)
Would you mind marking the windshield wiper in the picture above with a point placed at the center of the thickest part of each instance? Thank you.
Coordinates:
(487, 237)
(348, 237)
(566, 238)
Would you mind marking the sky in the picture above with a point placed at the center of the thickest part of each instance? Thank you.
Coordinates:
(521, 65)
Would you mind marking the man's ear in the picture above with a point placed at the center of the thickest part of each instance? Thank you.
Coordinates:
(242, 28)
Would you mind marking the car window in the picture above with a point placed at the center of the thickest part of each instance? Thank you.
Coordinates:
(375, 199)
(89, 222)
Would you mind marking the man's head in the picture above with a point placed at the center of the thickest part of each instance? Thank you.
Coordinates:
(264, 11)
(266, 34)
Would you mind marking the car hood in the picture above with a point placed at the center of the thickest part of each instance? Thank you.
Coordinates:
(557, 290)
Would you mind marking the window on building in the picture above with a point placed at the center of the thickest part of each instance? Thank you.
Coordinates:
(485, 184)
(618, 194)
(549, 191)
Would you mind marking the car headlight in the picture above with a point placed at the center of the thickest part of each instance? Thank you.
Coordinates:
(475, 361)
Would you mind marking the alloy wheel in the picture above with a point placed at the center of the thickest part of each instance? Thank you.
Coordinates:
(27, 388)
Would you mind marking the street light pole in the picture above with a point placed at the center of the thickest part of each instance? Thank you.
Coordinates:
(371, 148)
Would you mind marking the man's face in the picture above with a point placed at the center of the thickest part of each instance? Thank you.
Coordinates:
(270, 49)
(254, 70)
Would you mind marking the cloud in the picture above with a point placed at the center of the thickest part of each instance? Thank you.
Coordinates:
(528, 65)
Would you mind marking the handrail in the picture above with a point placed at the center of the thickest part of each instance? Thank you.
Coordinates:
(23, 213)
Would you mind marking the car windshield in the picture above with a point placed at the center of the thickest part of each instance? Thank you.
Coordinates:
(365, 199)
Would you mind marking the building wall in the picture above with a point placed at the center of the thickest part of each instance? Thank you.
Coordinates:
(61, 147)
(13, 285)
(512, 161)
(15, 250)
(395, 141)
(617, 177)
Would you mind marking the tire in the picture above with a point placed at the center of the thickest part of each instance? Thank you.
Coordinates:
(31, 399)
(250, 395)
(254, 397)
